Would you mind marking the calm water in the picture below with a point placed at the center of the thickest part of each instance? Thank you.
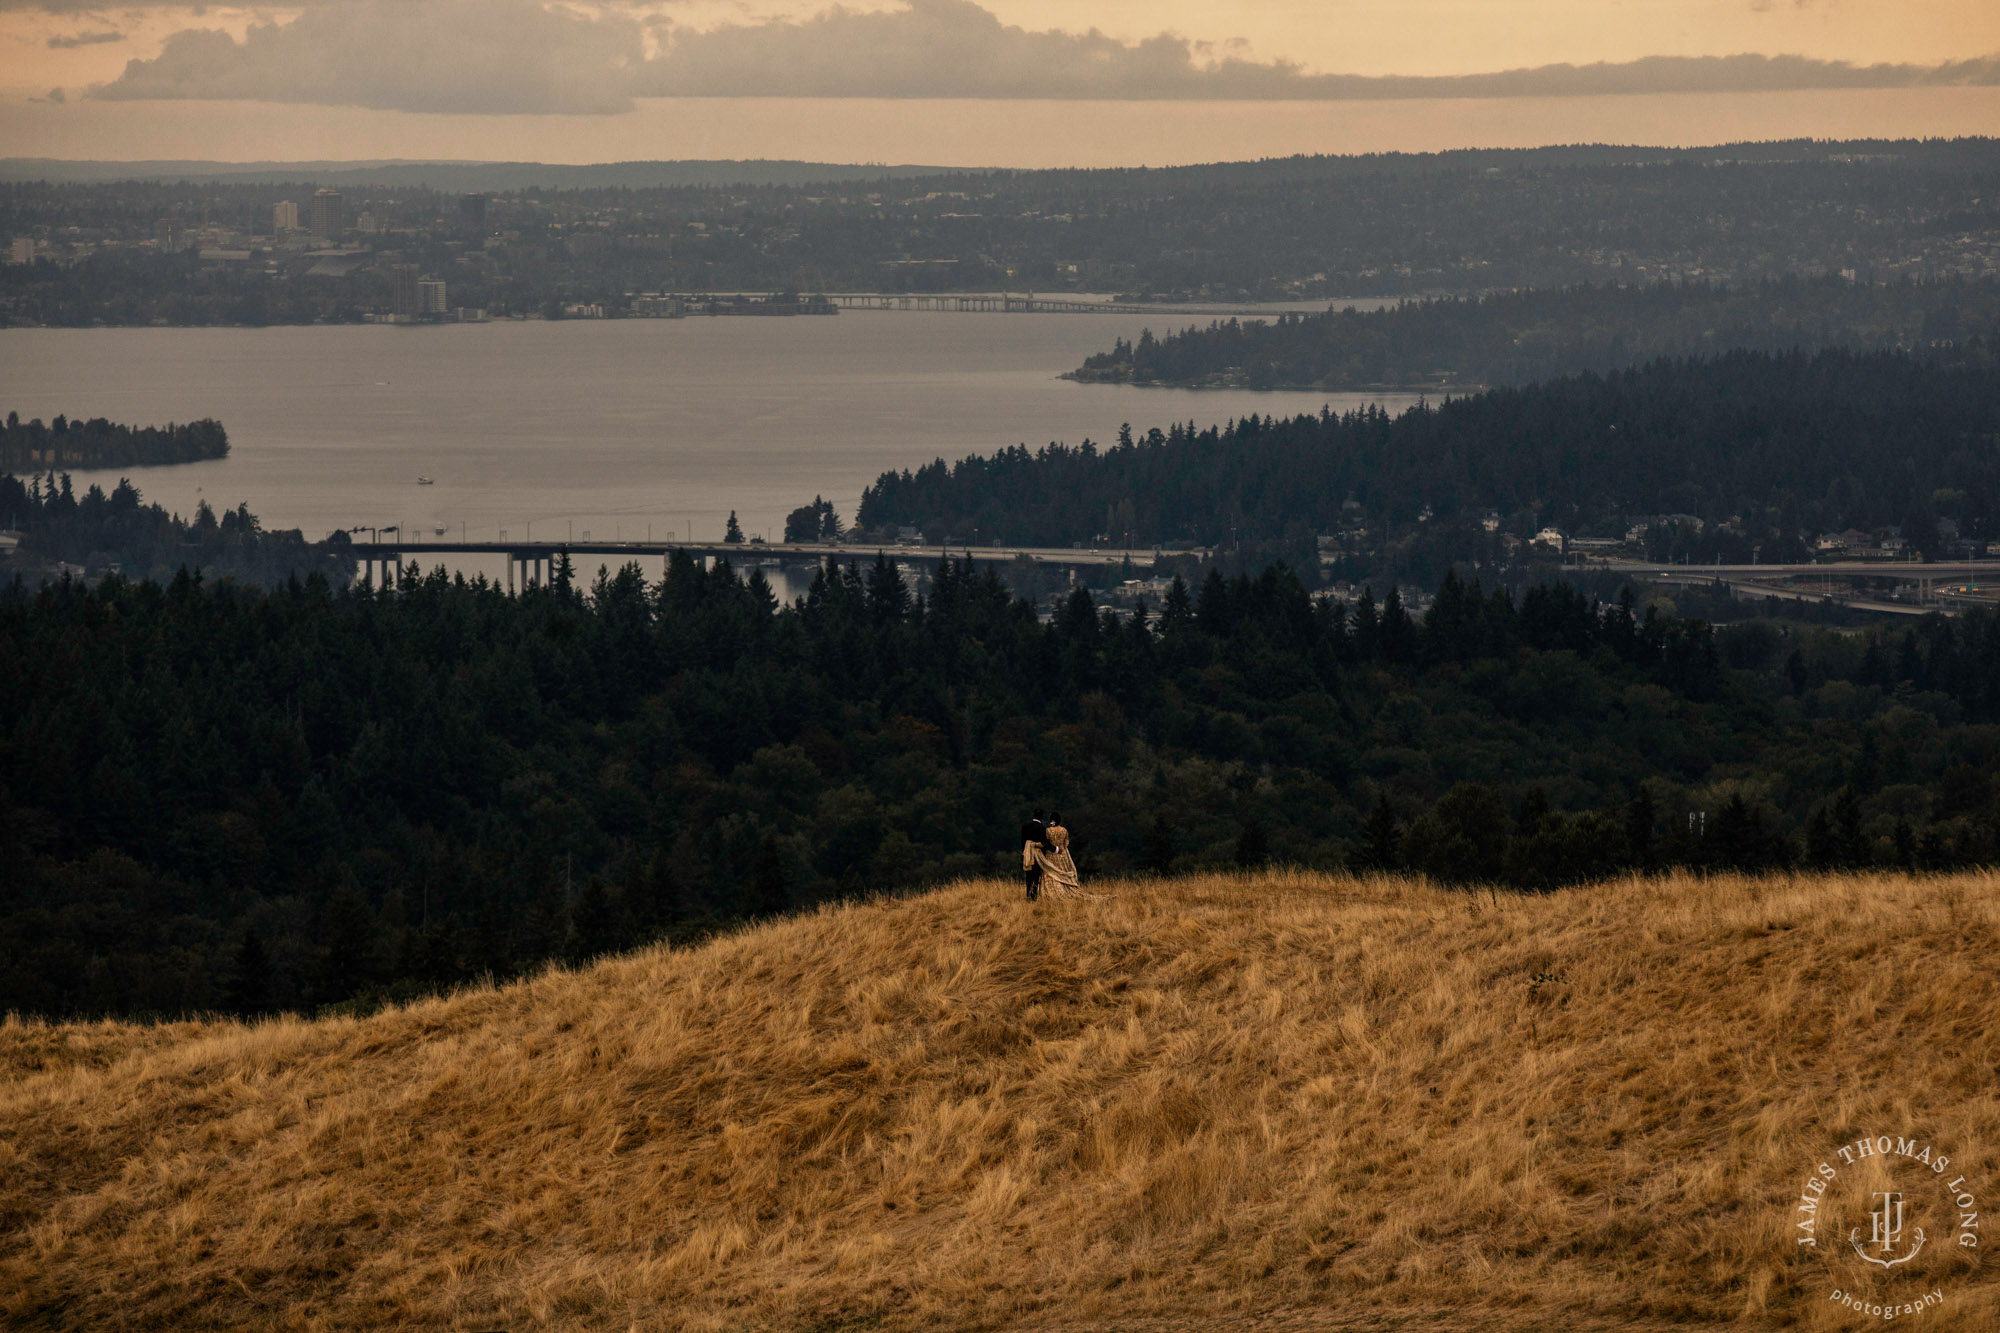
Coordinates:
(618, 428)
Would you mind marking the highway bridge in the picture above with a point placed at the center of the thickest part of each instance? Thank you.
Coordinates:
(1003, 303)
(1012, 303)
(534, 562)
(1028, 304)
(1941, 586)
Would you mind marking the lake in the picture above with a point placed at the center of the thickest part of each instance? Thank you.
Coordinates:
(618, 428)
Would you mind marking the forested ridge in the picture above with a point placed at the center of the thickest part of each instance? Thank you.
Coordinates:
(30, 445)
(212, 796)
(1518, 336)
(1765, 449)
(116, 531)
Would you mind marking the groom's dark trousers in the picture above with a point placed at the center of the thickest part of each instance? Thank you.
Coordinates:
(1033, 831)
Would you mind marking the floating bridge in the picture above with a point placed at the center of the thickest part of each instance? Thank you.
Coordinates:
(530, 563)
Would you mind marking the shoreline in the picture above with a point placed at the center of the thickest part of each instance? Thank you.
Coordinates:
(1452, 388)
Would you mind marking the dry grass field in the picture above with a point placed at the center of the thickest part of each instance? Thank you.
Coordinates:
(1282, 1102)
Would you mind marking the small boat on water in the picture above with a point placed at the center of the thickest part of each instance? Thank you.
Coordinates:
(425, 481)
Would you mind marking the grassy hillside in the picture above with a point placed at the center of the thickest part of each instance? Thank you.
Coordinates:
(1282, 1101)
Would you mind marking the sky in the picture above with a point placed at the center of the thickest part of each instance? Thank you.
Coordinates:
(971, 82)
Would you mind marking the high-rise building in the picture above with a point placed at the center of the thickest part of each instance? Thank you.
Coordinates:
(329, 216)
(24, 250)
(167, 234)
(405, 298)
(284, 216)
(472, 210)
(430, 296)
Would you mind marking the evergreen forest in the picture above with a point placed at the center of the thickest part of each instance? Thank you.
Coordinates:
(26, 446)
(1751, 452)
(219, 797)
(117, 532)
(1517, 336)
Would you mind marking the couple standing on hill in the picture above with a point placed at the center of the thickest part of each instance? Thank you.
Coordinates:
(1045, 860)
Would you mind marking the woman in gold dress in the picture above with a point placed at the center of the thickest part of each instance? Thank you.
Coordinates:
(1059, 879)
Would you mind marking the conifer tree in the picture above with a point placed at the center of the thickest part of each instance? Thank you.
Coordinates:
(1177, 610)
(1640, 814)
(597, 924)
(1253, 846)
(249, 988)
(768, 894)
(1156, 853)
(1376, 851)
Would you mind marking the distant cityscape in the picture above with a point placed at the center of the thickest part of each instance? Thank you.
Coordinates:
(1301, 229)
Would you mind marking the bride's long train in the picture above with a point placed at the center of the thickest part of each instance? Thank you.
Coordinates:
(1059, 877)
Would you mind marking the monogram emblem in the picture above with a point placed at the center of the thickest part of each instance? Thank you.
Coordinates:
(1886, 1232)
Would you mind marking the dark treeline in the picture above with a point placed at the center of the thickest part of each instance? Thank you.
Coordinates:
(1515, 337)
(1765, 450)
(30, 445)
(117, 533)
(215, 797)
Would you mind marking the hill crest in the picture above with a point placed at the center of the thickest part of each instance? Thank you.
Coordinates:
(1309, 1099)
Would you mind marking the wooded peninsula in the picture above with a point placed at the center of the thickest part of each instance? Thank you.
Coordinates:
(1508, 338)
(64, 443)
(116, 531)
(1749, 455)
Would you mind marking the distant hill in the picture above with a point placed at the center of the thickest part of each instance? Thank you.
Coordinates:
(1281, 229)
(1945, 155)
(461, 176)
(1287, 1102)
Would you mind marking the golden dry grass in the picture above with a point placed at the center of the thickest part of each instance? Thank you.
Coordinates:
(1284, 1101)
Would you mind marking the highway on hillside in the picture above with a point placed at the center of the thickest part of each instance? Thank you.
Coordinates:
(1875, 569)
(1817, 582)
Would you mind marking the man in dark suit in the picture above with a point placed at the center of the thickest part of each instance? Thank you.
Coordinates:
(1034, 833)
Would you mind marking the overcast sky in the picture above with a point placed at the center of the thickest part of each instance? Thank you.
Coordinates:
(486, 78)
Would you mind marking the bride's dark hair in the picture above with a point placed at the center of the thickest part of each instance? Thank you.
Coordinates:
(1056, 818)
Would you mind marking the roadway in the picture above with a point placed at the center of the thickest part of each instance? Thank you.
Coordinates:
(972, 302)
(749, 553)
(1906, 570)
(1754, 580)
(1765, 580)
(1018, 303)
